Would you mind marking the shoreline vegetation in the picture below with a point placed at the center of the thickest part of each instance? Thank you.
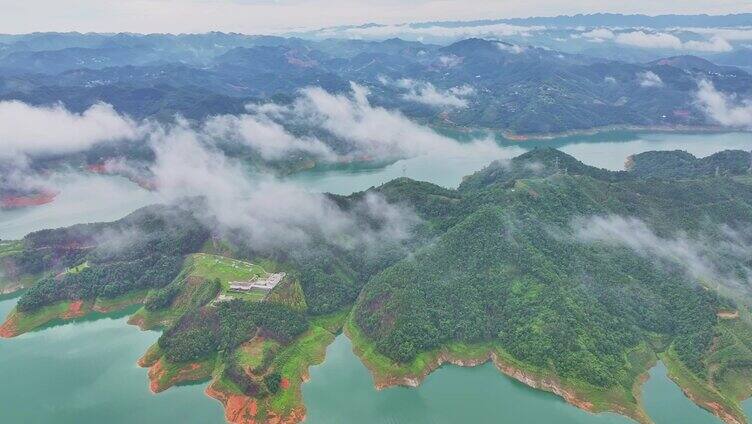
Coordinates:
(18, 323)
(388, 373)
(309, 349)
(292, 360)
(708, 398)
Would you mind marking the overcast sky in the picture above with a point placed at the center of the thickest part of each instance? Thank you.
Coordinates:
(267, 16)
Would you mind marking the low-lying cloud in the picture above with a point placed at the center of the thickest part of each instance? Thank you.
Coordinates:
(703, 258)
(649, 40)
(662, 40)
(268, 213)
(32, 130)
(730, 34)
(367, 131)
(329, 127)
(189, 162)
(269, 138)
(450, 61)
(724, 109)
(649, 79)
(428, 94)
(716, 42)
(598, 35)
(511, 48)
(434, 31)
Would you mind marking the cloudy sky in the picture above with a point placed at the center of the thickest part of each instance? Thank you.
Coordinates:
(267, 16)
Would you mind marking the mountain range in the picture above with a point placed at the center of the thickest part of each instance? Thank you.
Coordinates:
(478, 83)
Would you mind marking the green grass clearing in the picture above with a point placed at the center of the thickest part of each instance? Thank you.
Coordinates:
(227, 270)
(175, 374)
(256, 354)
(120, 302)
(78, 268)
(25, 322)
(223, 268)
(10, 247)
(292, 363)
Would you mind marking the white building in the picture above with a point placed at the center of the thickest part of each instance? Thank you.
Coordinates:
(267, 283)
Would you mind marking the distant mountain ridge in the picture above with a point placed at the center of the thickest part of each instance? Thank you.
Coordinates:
(613, 19)
(516, 88)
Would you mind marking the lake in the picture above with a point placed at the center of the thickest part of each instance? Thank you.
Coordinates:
(608, 151)
(82, 198)
(85, 371)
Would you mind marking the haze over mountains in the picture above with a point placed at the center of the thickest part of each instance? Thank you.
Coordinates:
(540, 75)
(321, 96)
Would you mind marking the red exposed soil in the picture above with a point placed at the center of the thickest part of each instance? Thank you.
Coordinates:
(143, 182)
(145, 362)
(15, 202)
(75, 310)
(719, 411)
(138, 321)
(155, 373)
(105, 310)
(728, 314)
(239, 409)
(547, 384)
(9, 328)
(716, 409)
(285, 384)
(297, 415)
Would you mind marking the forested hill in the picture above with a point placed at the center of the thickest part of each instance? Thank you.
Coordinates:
(546, 162)
(571, 270)
(678, 164)
(579, 274)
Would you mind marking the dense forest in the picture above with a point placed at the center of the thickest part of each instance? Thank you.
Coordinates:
(570, 268)
(142, 251)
